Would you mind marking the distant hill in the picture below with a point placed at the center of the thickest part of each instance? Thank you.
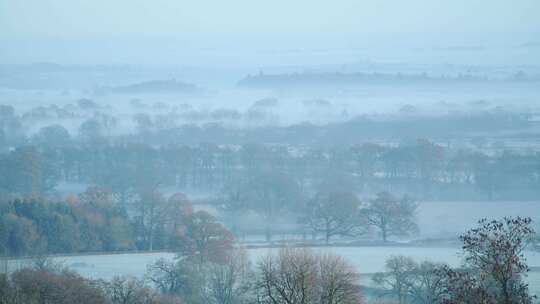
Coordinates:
(353, 79)
(152, 86)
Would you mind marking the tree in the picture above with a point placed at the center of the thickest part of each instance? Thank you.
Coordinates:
(495, 250)
(398, 276)
(170, 277)
(107, 122)
(128, 290)
(178, 212)
(104, 223)
(116, 170)
(7, 294)
(334, 213)
(53, 135)
(161, 222)
(427, 287)
(366, 156)
(494, 265)
(411, 282)
(428, 159)
(290, 277)
(399, 162)
(11, 126)
(3, 140)
(461, 167)
(87, 104)
(464, 287)
(229, 282)
(151, 208)
(337, 280)
(38, 226)
(91, 131)
(61, 232)
(204, 239)
(21, 235)
(268, 194)
(391, 216)
(38, 286)
(144, 123)
(487, 176)
(25, 171)
(47, 285)
(298, 276)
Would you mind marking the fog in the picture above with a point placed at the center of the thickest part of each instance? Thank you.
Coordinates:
(246, 34)
(178, 152)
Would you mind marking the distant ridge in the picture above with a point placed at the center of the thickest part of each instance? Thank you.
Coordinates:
(152, 86)
(262, 80)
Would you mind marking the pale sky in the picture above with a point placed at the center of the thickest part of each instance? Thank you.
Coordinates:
(153, 30)
(110, 18)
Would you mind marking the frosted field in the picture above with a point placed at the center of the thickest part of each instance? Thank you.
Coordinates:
(448, 219)
(368, 260)
(442, 219)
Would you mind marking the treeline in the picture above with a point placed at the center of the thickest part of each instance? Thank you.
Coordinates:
(182, 125)
(357, 79)
(480, 129)
(493, 271)
(93, 222)
(292, 276)
(33, 226)
(420, 168)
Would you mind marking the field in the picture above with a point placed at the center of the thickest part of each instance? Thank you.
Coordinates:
(368, 260)
(448, 219)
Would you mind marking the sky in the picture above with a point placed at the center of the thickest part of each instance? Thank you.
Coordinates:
(109, 26)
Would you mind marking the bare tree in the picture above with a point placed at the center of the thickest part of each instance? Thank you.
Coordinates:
(38, 286)
(335, 213)
(45, 263)
(492, 273)
(298, 276)
(397, 277)
(290, 277)
(410, 281)
(462, 286)
(427, 287)
(268, 193)
(494, 265)
(169, 277)
(392, 216)
(229, 282)
(495, 251)
(151, 207)
(338, 281)
(366, 156)
(127, 290)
